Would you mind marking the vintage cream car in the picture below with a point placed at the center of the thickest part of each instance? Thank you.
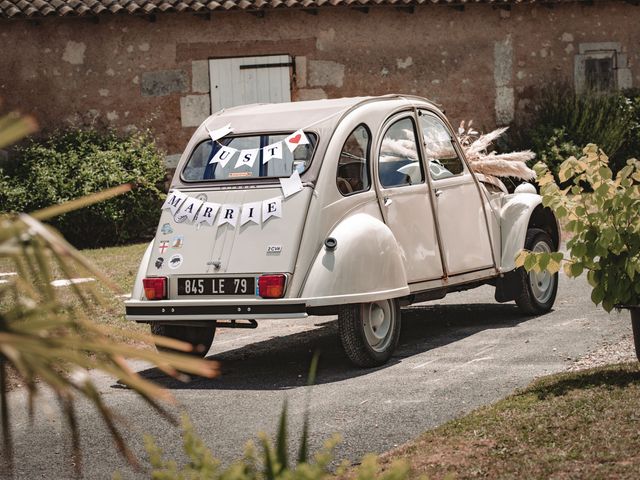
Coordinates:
(353, 206)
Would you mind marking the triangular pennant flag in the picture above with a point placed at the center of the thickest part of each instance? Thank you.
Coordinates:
(174, 200)
(296, 138)
(251, 212)
(229, 214)
(271, 208)
(247, 157)
(190, 207)
(291, 185)
(208, 212)
(272, 151)
(220, 132)
(223, 156)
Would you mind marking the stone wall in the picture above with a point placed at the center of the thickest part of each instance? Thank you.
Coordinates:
(482, 63)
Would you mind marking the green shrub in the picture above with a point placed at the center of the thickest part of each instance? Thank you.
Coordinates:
(269, 463)
(557, 147)
(565, 120)
(74, 163)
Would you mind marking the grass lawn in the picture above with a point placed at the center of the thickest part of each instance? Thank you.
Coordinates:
(574, 425)
(120, 264)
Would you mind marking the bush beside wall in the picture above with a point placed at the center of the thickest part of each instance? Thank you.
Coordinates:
(564, 121)
(74, 163)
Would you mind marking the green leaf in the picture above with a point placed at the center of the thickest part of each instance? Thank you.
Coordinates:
(281, 440)
(543, 261)
(520, 258)
(607, 304)
(530, 262)
(576, 269)
(597, 295)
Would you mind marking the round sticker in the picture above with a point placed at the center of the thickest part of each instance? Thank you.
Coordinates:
(175, 261)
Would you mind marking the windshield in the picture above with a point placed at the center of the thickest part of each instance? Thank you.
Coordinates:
(235, 164)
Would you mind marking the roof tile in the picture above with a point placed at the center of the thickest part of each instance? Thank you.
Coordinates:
(45, 8)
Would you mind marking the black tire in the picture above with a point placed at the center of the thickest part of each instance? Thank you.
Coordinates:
(538, 289)
(369, 332)
(200, 338)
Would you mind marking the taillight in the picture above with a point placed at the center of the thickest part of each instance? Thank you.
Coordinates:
(271, 286)
(155, 288)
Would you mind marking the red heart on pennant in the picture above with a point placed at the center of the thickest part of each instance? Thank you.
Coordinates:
(295, 139)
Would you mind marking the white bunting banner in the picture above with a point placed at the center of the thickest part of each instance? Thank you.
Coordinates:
(247, 157)
(229, 213)
(296, 138)
(190, 207)
(271, 208)
(208, 212)
(220, 132)
(174, 200)
(251, 213)
(291, 185)
(224, 155)
(272, 151)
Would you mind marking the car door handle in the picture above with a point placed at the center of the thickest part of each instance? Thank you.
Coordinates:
(438, 192)
(387, 201)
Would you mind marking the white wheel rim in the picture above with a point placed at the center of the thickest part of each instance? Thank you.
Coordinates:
(541, 283)
(378, 320)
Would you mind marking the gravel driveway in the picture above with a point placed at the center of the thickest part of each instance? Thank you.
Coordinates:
(454, 355)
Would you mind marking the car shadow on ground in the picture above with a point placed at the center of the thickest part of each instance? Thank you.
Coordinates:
(282, 362)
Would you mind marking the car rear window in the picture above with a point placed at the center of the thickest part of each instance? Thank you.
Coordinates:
(199, 168)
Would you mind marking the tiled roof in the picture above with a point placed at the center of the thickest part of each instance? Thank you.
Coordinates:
(60, 8)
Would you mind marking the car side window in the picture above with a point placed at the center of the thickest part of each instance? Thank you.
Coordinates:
(399, 161)
(353, 164)
(442, 157)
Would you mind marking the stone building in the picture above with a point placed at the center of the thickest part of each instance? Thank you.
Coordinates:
(167, 64)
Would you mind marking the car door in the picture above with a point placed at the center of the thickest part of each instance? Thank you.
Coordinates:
(460, 211)
(404, 198)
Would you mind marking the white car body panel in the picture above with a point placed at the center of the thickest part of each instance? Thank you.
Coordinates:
(391, 242)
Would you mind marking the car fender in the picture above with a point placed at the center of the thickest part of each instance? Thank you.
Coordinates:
(516, 216)
(366, 265)
(138, 290)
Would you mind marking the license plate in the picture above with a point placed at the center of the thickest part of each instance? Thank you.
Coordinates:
(217, 286)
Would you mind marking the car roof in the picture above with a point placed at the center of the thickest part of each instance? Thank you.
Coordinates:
(312, 114)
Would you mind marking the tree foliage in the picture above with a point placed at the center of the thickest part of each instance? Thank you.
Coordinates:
(602, 213)
(50, 339)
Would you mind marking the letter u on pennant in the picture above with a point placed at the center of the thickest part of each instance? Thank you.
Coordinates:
(224, 155)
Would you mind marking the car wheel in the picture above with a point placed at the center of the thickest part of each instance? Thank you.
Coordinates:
(200, 338)
(538, 289)
(369, 332)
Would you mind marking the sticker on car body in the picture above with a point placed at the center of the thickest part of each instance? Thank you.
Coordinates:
(274, 249)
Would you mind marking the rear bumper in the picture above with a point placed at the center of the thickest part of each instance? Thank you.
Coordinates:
(246, 309)
(164, 310)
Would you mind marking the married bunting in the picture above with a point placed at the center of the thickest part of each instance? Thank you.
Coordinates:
(251, 213)
(190, 207)
(229, 213)
(208, 212)
(271, 208)
(174, 200)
